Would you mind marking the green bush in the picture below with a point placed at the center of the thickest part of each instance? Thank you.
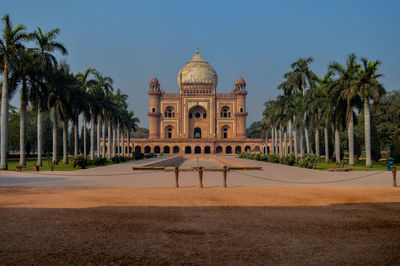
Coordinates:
(309, 161)
(288, 159)
(98, 161)
(137, 155)
(80, 161)
(273, 158)
(119, 159)
(150, 155)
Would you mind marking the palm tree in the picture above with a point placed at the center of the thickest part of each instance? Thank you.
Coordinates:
(24, 74)
(326, 109)
(346, 86)
(10, 43)
(369, 89)
(46, 45)
(84, 82)
(298, 80)
(120, 102)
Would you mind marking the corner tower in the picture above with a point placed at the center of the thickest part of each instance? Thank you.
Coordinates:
(241, 114)
(154, 112)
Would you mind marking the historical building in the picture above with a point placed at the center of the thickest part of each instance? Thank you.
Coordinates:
(197, 120)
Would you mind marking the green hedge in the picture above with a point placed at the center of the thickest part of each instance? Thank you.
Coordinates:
(308, 161)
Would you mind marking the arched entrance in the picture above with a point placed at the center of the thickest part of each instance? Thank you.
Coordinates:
(207, 149)
(157, 149)
(175, 149)
(188, 150)
(197, 149)
(218, 149)
(198, 122)
(228, 150)
(238, 149)
(247, 148)
(147, 149)
(166, 149)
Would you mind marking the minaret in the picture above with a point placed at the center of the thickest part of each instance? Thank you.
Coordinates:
(155, 112)
(241, 114)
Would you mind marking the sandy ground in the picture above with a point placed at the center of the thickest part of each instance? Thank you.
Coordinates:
(97, 217)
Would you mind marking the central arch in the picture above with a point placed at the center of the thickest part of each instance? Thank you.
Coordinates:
(198, 122)
(197, 149)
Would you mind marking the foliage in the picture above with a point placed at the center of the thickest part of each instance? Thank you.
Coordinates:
(119, 159)
(141, 133)
(255, 131)
(150, 155)
(98, 161)
(289, 159)
(80, 161)
(137, 156)
(309, 161)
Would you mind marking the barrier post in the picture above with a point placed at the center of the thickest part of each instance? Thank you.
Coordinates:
(176, 176)
(201, 176)
(394, 176)
(225, 172)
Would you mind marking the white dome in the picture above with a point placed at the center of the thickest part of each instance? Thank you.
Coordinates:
(198, 70)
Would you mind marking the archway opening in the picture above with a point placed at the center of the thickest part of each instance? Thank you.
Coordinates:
(147, 149)
(247, 148)
(188, 150)
(238, 149)
(197, 133)
(197, 149)
(138, 149)
(157, 149)
(207, 149)
(228, 149)
(175, 149)
(166, 149)
(218, 149)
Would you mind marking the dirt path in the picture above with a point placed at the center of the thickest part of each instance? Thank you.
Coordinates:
(212, 226)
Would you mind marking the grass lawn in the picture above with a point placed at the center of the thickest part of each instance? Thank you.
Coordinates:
(360, 166)
(46, 167)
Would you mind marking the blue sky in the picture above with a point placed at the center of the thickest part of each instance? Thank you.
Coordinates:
(131, 40)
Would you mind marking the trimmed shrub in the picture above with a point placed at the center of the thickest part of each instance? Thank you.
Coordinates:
(150, 155)
(80, 161)
(273, 158)
(98, 161)
(138, 156)
(309, 161)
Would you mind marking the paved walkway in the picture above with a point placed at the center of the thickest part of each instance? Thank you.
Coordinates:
(120, 175)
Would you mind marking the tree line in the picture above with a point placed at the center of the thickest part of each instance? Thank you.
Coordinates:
(310, 104)
(47, 86)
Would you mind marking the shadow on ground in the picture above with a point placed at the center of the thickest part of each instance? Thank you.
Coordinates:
(336, 234)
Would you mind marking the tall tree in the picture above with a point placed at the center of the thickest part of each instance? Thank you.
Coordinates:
(369, 89)
(11, 42)
(45, 46)
(347, 89)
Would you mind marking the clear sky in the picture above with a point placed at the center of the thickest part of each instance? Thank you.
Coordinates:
(132, 40)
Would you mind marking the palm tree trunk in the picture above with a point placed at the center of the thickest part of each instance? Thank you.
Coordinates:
(326, 144)
(113, 141)
(285, 140)
(92, 136)
(76, 126)
(367, 128)
(22, 119)
(276, 140)
(118, 140)
(65, 142)
(272, 140)
(39, 137)
(350, 133)
(307, 137)
(4, 118)
(123, 142)
(109, 140)
(55, 125)
(301, 141)
(290, 136)
(98, 135)
(129, 143)
(337, 145)
(280, 141)
(103, 146)
(84, 135)
(317, 142)
(296, 152)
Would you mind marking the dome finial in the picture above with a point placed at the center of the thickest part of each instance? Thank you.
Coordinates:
(197, 48)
